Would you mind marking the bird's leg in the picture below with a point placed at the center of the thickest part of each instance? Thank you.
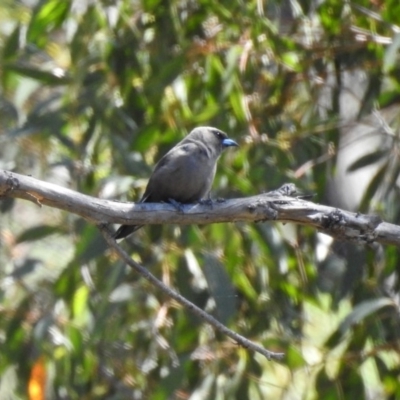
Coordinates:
(178, 206)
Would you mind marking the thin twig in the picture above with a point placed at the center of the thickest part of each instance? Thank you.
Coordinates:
(242, 341)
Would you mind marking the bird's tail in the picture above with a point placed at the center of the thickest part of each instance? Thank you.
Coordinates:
(125, 230)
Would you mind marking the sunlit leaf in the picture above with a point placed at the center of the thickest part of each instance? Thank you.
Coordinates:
(50, 14)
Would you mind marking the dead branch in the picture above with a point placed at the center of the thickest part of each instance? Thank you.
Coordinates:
(279, 205)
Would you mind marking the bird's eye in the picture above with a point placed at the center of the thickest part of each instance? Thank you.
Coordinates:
(218, 133)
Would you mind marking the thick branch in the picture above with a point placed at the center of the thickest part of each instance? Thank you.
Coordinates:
(272, 206)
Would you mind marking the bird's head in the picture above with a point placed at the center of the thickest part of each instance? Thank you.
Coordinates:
(213, 137)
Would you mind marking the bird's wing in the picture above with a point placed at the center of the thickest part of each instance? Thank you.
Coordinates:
(169, 164)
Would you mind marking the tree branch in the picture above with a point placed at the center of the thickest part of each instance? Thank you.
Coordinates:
(242, 341)
(273, 206)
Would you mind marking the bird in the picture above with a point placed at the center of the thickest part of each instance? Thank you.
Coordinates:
(185, 174)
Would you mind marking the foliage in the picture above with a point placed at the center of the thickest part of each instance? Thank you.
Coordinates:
(93, 93)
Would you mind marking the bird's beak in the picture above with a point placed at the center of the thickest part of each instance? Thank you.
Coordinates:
(229, 142)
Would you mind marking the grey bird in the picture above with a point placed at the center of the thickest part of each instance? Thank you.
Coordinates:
(185, 174)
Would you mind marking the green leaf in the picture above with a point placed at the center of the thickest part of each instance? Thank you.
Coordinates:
(330, 13)
(294, 358)
(50, 14)
(11, 46)
(38, 233)
(80, 305)
(391, 57)
(362, 311)
(373, 186)
(74, 336)
(236, 102)
(325, 387)
(221, 288)
(45, 77)
(90, 245)
(292, 61)
(368, 159)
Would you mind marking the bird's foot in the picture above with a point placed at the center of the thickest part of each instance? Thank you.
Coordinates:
(178, 206)
(206, 202)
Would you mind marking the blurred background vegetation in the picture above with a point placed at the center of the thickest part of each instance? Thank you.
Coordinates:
(94, 92)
